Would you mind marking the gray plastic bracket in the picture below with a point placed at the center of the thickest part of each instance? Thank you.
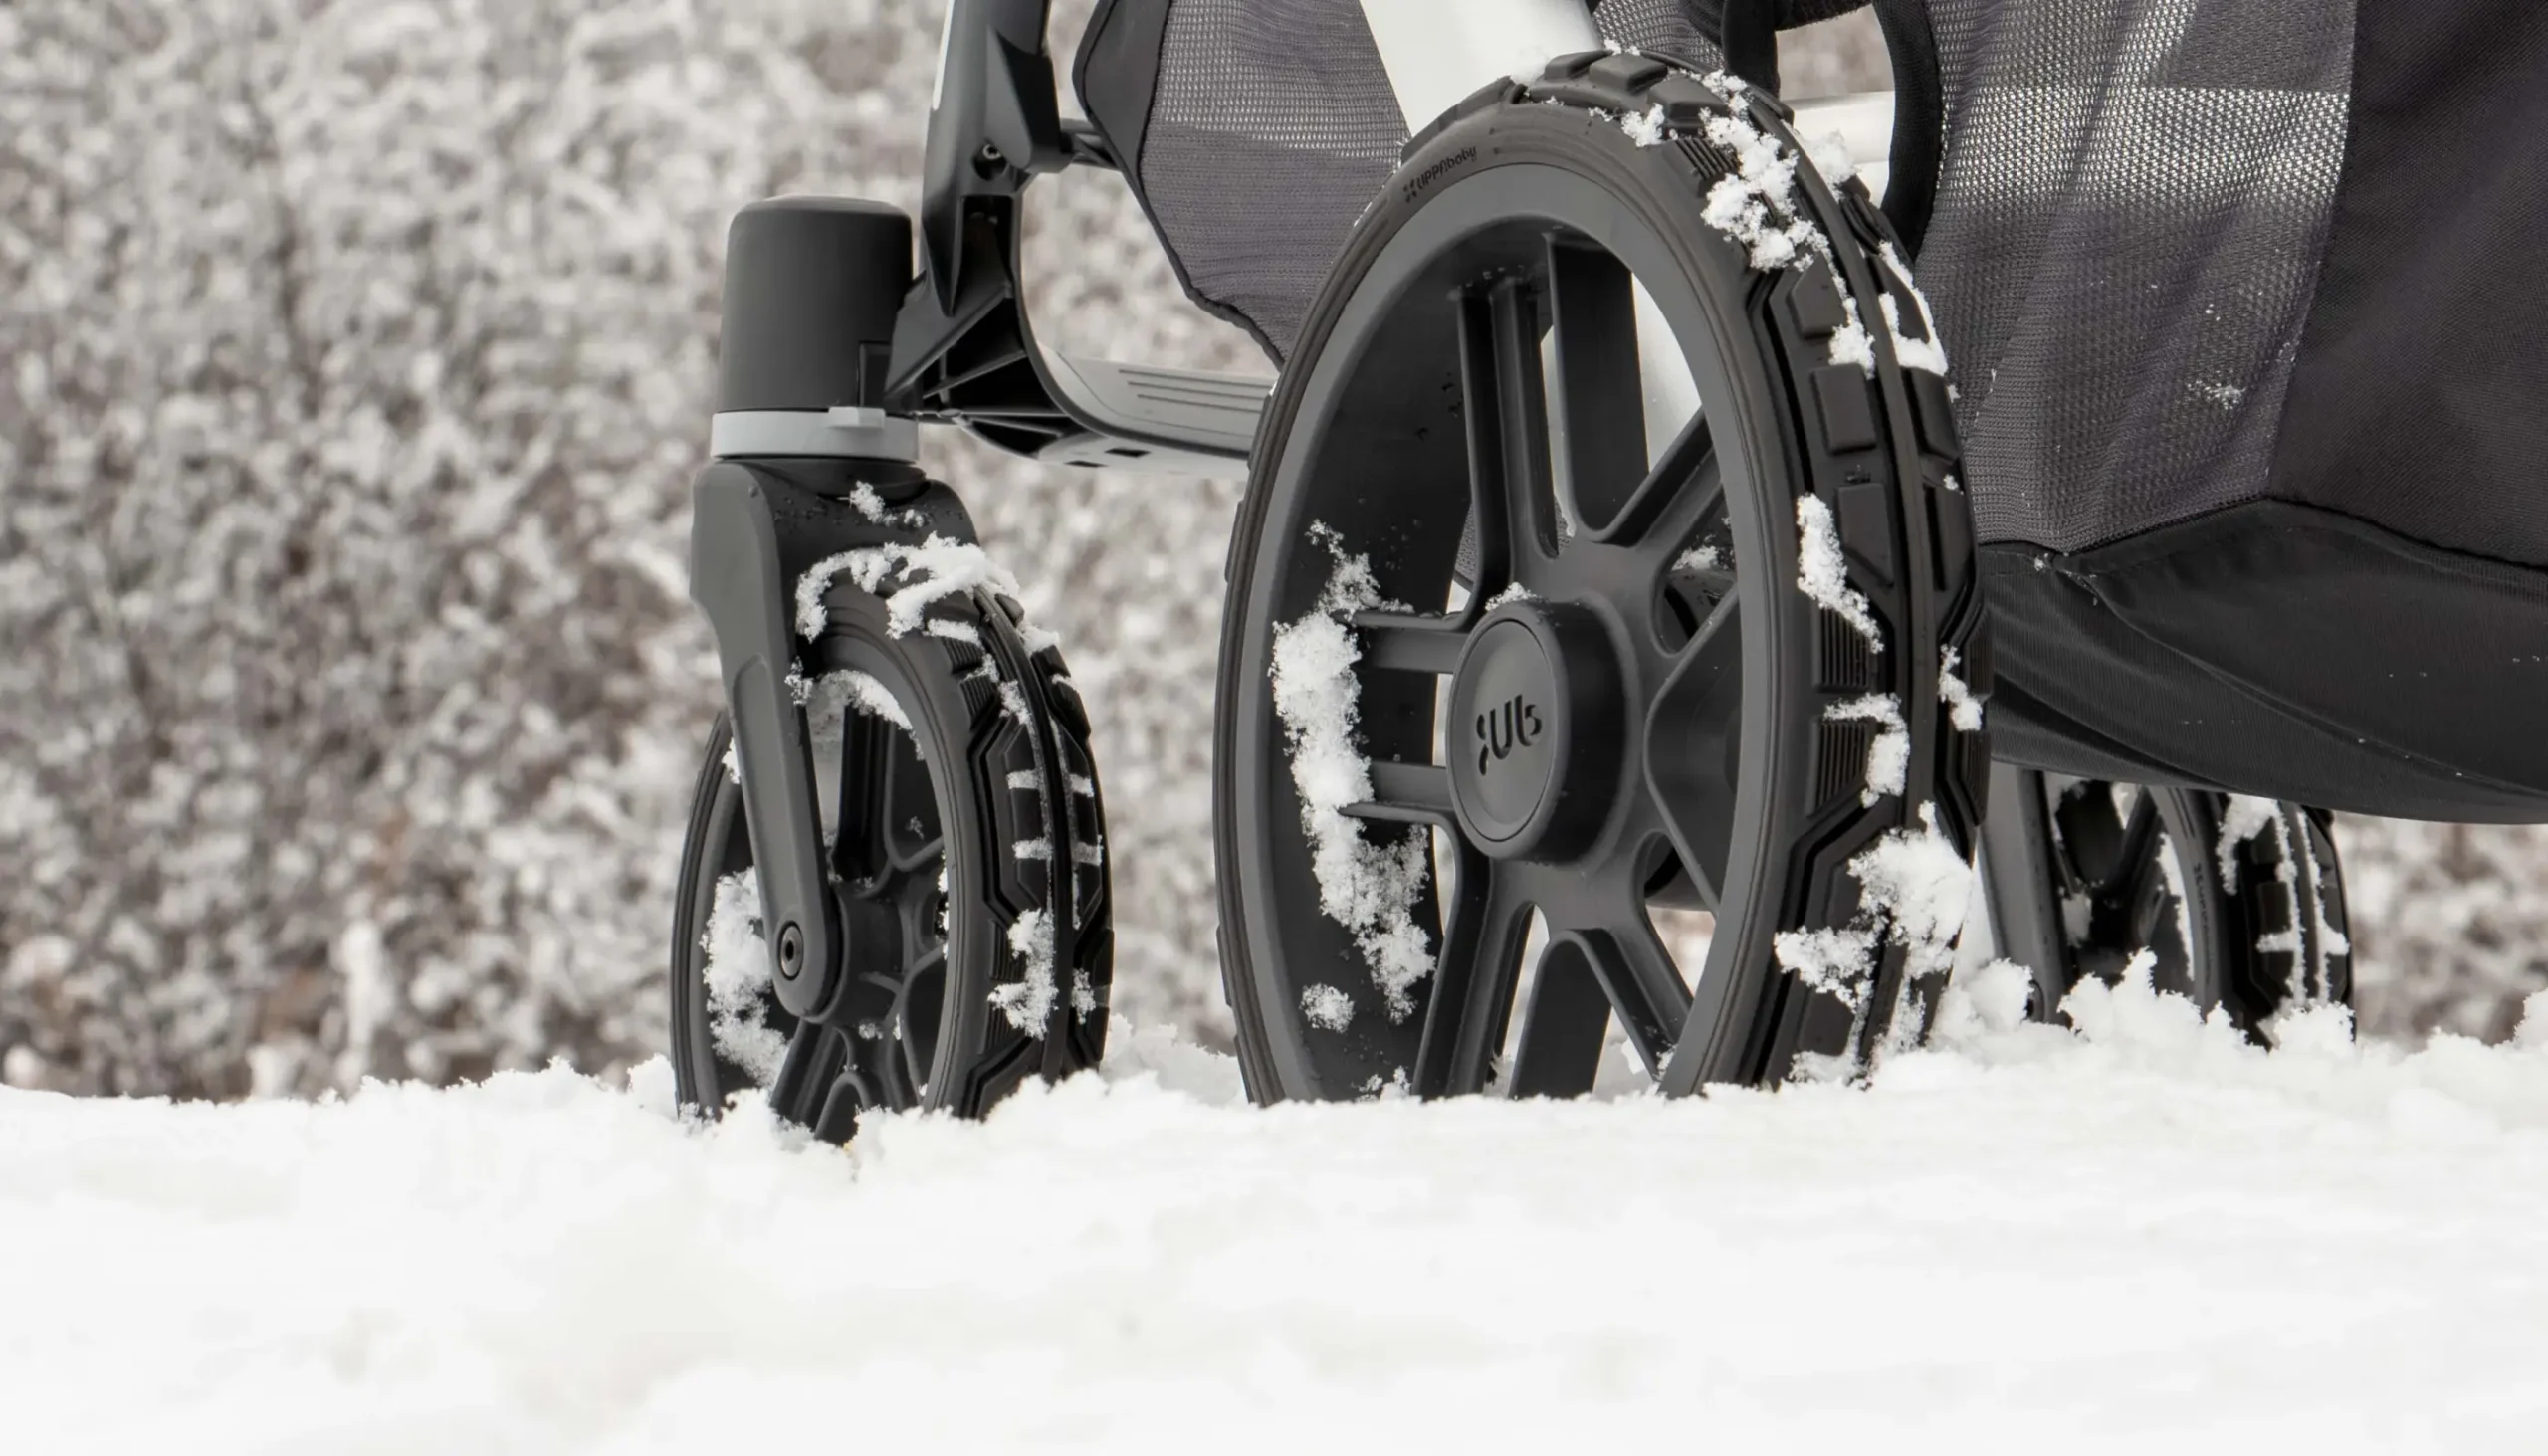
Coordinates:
(1171, 421)
(844, 432)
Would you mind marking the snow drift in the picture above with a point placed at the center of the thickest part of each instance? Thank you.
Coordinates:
(2149, 1236)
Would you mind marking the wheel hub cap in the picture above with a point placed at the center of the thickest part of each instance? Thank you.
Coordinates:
(1529, 682)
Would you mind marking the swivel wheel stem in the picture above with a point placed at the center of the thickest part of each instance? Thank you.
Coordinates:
(738, 584)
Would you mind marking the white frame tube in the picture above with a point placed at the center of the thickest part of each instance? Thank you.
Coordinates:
(1438, 51)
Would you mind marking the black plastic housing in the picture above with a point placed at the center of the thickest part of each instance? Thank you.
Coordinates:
(813, 286)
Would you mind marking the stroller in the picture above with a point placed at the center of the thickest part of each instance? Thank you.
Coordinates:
(1607, 693)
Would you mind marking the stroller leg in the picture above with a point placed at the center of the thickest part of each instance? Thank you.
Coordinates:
(1433, 66)
(2020, 874)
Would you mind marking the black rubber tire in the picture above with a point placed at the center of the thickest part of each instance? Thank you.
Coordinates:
(996, 735)
(2252, 926)
(1374, 390)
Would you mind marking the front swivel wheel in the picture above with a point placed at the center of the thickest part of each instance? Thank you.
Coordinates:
(966, 853)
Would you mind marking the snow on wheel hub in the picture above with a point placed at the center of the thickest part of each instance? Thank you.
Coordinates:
(1533, 680)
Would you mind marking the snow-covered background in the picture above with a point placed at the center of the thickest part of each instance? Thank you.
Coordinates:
(353, 361)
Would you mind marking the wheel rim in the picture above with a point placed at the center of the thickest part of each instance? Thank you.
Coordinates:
(1541, 563)
(2132, 879)
(883, 818)
(2248, 916)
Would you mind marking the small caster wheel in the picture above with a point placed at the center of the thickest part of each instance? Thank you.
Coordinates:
(966, 854)
(2239, 902)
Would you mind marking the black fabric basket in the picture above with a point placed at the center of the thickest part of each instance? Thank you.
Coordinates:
(2239, 300)
(2236, 294)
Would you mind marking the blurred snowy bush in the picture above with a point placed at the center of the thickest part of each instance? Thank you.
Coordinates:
(353, 361)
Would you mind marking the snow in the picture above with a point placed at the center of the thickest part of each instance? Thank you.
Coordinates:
(1756, 204)
(1850, 342)
(1368, 889)
(738, 977)
(1913, 889)
(934, 570)
(1830, 152)
(1923, 885)
(1824, 576)
(1963, 708)
(863, 499)
(1327, 1008)
(2246, 817)
(1838, 962)
(1027, 1002)
(1926, 354)
(2174, 872)
(2154, 1237)
(2331, 942)
(1645, 127)
(1889, 755)
(849, 688)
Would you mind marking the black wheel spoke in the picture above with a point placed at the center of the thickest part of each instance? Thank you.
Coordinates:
(862, 839)
(1414, 644)
(1473, 981)
(1596, 397)
(1511, 505)
(2106, 860)
(1680, 500)
(2151, 910)
(805, 1075)
(1407, 793)
(843, 1100)
(1560, 1052)
(1637, 973)
(913, 857)
(1692, 737)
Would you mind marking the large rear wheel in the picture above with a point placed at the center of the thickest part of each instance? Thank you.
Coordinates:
(1600, 679)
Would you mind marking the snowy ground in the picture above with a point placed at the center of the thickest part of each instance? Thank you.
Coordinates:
(2153, 1239)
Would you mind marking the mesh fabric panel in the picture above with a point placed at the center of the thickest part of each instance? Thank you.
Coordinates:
(1272, 127)
(1677, 30)
(1274, 124)
(2133, 204)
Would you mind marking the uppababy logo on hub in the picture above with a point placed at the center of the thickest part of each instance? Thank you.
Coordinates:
(1439, 170)
(1500, 731)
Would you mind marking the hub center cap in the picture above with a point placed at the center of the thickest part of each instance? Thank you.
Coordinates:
(1516, 703)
